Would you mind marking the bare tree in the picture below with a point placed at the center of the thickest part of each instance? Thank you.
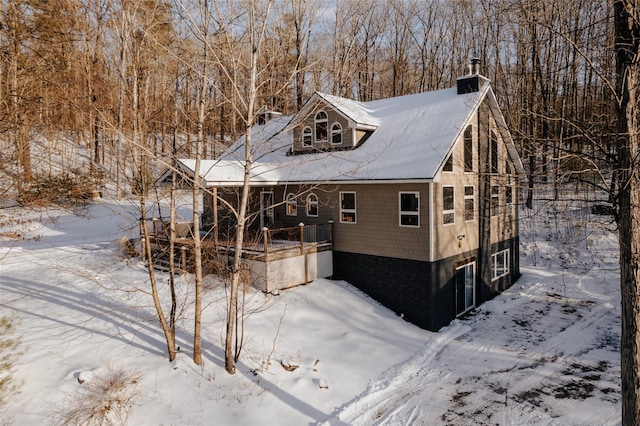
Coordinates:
(627, 45)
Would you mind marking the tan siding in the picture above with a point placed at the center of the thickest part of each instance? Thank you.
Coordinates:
(333, 117)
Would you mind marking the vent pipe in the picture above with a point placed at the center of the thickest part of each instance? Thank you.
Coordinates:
(474, 66)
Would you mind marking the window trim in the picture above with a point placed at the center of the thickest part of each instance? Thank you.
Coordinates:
(310, 203)
(494, 152)
(468, 153)
(471, 197)
(452, 211)
(447, 167)
(349, 211)
(336, 129)
(402, 213)
(321, 123)
(508, 195)
(307, 131)
(495, 201)
(505, 264)
(291, 203)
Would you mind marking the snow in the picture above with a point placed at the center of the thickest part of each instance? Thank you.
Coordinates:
(414, 134)
(544, 352)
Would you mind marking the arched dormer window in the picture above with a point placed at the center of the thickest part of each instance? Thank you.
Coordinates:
(336, 133)
(312, 205)
(307, 136)
(321, 126)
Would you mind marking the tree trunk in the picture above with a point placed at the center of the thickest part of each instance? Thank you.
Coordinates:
(627, 44)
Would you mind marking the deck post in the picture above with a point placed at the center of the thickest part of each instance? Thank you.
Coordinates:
(265, 243)
(306, 265)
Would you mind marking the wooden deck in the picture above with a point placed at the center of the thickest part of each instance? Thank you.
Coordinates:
(276, 258)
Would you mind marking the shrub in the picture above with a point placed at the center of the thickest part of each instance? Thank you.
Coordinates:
(8, 354)
(105, 398)
(64, 189)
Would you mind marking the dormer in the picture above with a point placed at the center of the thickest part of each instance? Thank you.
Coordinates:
(325, 123)
(473, 81)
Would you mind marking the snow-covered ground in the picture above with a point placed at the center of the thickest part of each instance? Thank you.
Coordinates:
(545, 352)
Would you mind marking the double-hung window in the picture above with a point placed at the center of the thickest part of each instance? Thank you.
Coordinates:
(448, 205)
(469, 203)
(495, 200)
(409, 209)
(348, 207)
(499, 264)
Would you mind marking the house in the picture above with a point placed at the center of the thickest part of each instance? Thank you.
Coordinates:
(421, 191)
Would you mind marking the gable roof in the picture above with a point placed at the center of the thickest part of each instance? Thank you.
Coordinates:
(413, 136)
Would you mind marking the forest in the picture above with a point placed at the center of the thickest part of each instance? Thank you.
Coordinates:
(110, 74)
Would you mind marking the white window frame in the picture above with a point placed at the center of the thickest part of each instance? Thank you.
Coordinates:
(448, 163)
(452, 211)
(319, 122)
(336, 129)
(471, 197)
(468, 132)
(407, 213)
(494, 151)
(311, 203)
(291, 204)
(346, 211)
(495, 200)
(307, 134)
(501, 259)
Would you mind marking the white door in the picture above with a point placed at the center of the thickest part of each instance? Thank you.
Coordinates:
(465, 287)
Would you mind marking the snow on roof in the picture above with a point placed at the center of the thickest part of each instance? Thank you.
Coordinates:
(413, 137)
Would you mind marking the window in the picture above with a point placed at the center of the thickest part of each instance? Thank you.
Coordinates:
(348, 207)
(292, 206)
(336, 133)
(321, 126)
(469, 203)
(495, 200)
(410, 209)
(468, 149)
(493, 141)
(507, 167)
(312, 205)
(307, 136)
(499, 264)
(508, 195)
(448, 165)
(448, 208)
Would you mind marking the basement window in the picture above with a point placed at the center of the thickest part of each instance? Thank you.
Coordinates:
(499, 264)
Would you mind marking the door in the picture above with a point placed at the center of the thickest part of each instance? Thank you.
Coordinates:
(266, 209)
(465, 288)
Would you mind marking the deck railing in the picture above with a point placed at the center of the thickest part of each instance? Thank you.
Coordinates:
(299, 239)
